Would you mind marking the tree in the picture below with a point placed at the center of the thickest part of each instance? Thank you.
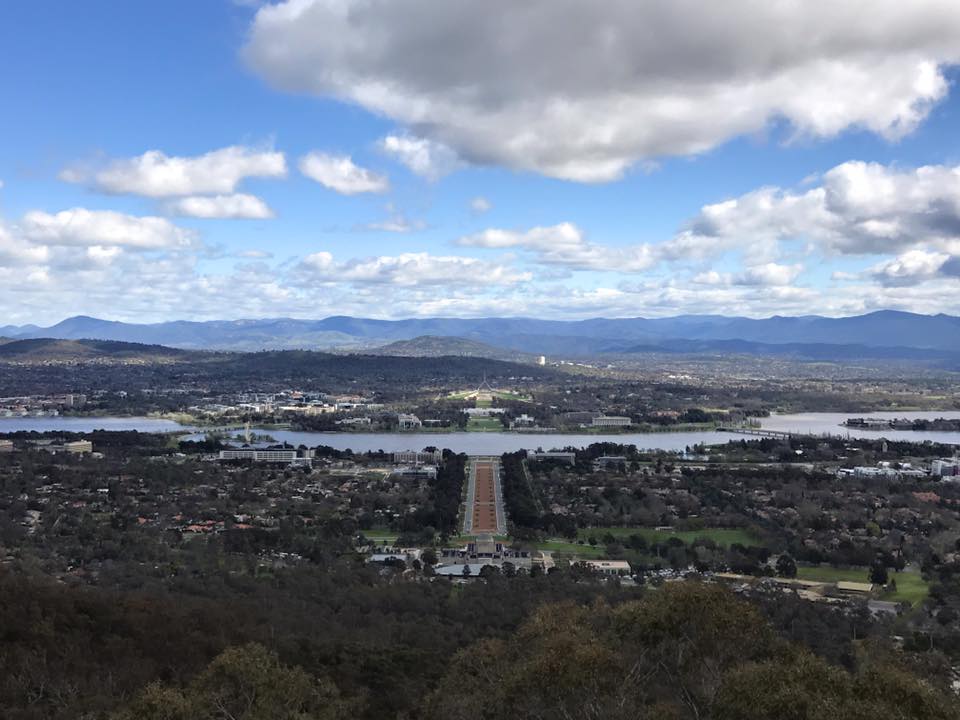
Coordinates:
(786, 566)
(878, 573)
(242, 683)
(488, 571)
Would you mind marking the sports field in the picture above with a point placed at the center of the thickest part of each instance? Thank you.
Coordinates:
(911, 587)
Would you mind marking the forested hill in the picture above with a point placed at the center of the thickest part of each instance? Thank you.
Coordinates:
(336, 644)
(46, 366)
(439, 346)
(56, 350)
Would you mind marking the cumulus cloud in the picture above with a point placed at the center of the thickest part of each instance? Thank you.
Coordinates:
(768, 274)
(423, 157)
(763, 275)
(157, 175)
(858, 209)
(411, 269)
(238, 205)
(583, 91)
(910, 268)
(15, 251)
(339, 173)
(104, 228)
(565, 245)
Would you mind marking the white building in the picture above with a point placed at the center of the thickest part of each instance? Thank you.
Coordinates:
(945, 468)
(288, 457)
(408, 422)
(413, 457)
(6, 445)
(484, 412)
(566, 457)
(610, 421)
(609, 567)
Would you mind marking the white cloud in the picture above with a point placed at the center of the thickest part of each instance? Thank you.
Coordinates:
(82, 227)
(15, 251)
(480, 204)
(239, 205)
(411, 269)
(155, 174)
(423, 157)
(858, 209)
(339, 173)
(565, 245)
(768, 274)
(910, 268)
(396, 222)
(583, 91)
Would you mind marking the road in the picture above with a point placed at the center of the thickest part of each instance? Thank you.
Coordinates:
(484, 512)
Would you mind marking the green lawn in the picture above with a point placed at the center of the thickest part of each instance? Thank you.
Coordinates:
(484, 424)
(911, 587)
(380, 535)
(721, 536)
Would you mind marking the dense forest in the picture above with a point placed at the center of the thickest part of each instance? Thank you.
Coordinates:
(348, 642)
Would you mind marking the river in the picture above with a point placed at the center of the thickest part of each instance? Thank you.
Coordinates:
(496, 443)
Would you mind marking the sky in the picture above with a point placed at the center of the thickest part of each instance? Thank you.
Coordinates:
(563, 159)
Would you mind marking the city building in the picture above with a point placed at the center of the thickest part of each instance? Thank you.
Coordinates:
(523, 420)
(408, 422)
(609, 567)
(610, 421)
(414, 457)
(78, 447)
(416, 472)
(566, 457)
(606, 462)
(280, 456)
(945, 468)
(6, 445)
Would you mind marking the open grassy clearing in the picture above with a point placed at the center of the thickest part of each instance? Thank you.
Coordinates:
(721, 536)
(911, 587)
(484, 424)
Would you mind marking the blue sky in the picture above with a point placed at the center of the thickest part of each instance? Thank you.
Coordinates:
(565, 161)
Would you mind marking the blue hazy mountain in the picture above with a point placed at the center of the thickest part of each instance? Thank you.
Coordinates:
(882, 329)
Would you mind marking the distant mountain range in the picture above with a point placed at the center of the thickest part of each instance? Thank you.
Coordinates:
(885, 334)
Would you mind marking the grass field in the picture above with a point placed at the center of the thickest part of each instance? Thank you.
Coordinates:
(484, 424)
(721, 536)
(911, 587)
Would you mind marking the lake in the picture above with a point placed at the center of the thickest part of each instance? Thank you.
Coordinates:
(496, 443)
